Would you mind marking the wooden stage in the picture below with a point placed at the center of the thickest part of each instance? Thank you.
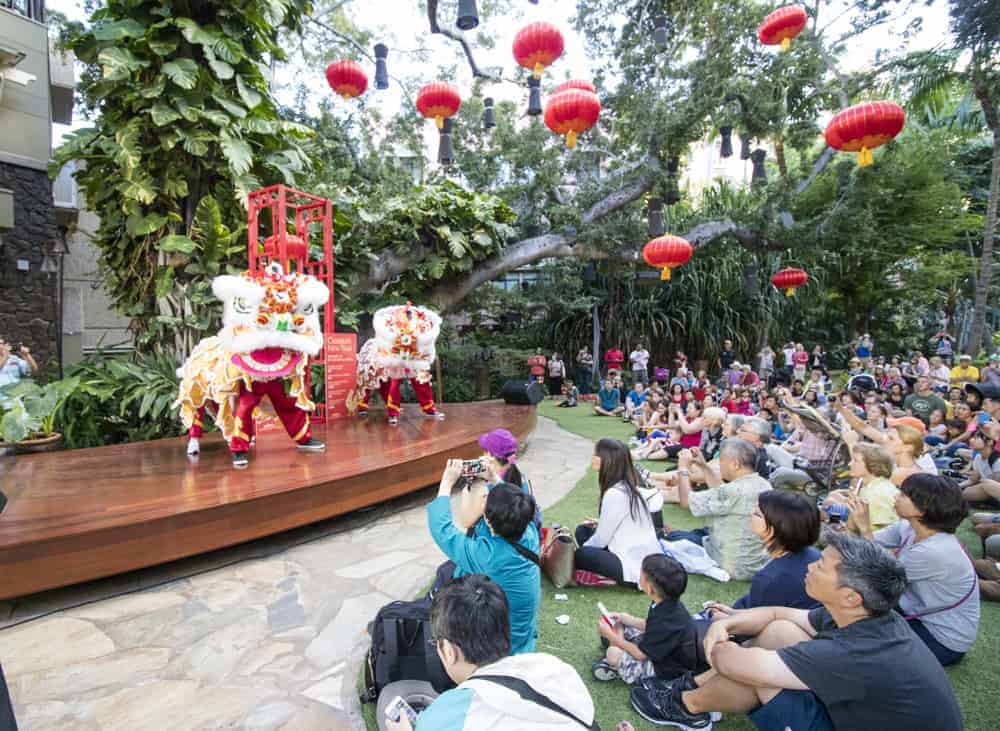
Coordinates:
(79, 515)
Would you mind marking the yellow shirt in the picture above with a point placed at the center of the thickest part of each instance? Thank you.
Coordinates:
(965, 374)
(880, 494)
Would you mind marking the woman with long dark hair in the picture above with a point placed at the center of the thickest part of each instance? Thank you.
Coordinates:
(615, 544)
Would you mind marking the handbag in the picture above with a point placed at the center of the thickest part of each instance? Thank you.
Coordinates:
(558, 556)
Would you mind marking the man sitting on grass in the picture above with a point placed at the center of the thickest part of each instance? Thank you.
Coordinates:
(853, 663)
(608, 400)
(664, 644)
(471, 630)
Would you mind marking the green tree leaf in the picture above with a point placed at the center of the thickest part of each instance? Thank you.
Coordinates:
(138, 225)
(177, 243)
(117, 64)
(238, 153)
(163, 115)
(183, 72)
(250, 96)
(119, 29)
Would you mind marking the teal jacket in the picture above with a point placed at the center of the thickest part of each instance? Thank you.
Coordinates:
(487, 554)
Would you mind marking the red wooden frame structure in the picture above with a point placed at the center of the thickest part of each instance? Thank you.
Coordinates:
(276, 206)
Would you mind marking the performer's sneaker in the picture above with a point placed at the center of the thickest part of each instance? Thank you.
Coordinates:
(439, 415)
(312, 445)
(362, 413)
(393, 421)
(194, 446)
(240, 460)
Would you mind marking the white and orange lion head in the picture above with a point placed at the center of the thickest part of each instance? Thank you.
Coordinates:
(405, 336)
(270, 319)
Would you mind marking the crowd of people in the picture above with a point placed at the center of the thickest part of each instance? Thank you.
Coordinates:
(837, 497)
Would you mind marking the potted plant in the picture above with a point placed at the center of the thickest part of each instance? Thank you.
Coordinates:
(28, 420)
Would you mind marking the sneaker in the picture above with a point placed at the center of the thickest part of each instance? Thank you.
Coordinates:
(393, 421)
(665, 709)
(684, 682)
(439, 415)
(240, 460)
(362, 413)
(312, 445)
(194, 446)
(603, 671)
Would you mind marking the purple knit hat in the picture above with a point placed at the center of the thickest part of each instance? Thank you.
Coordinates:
(501, 444)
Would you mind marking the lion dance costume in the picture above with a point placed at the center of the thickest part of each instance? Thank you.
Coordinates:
(403, 348)
(270, 327)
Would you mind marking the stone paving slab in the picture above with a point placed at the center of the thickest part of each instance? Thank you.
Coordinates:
(266, 635)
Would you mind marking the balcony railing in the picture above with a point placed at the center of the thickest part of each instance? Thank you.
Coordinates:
(34, 9)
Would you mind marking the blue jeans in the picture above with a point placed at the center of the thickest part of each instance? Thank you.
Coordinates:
(584, 376)
(695, 536)
(944, 655)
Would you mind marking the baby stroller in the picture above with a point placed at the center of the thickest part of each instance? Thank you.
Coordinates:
(830, 471)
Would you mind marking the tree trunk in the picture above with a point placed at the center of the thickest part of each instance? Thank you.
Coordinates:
(984, 280)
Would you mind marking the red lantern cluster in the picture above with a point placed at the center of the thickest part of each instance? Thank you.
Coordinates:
(438, 101)
(537, 46)
(572, 111)
(789, 280)
(347, 78)
(863, 127)
(781, 26)
(666, 253)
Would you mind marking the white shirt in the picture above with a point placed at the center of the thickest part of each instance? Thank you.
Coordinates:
(639, 359)
(630, 539)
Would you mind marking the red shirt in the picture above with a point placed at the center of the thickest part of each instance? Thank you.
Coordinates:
(614, 358)
(729, 406)
(536, 363)
(800, 357)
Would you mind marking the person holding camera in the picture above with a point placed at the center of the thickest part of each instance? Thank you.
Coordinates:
(504, 549)
(497, 689)
(15, 367)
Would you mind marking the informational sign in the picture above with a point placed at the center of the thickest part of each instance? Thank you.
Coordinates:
(340, 352)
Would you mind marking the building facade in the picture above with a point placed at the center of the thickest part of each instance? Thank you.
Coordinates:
(36, 90)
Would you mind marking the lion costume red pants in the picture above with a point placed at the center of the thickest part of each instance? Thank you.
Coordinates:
(390, 394)
(295, 420)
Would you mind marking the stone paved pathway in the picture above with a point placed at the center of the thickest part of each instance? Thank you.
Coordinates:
(268, 635)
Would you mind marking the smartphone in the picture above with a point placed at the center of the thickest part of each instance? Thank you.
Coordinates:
(605, 615)
(472, 467)
(397, 707)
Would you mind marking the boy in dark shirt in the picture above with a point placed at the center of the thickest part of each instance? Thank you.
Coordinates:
(665, 644)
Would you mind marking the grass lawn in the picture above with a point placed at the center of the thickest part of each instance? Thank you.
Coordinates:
(975, 679)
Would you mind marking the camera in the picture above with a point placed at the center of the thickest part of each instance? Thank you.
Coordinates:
(837, 513)
(472, 467)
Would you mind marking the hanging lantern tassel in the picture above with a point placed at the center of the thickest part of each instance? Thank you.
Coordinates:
(489, 120)
(534, 97)
(865, 157)
(381, 68)
(726, 131)
(665, 274)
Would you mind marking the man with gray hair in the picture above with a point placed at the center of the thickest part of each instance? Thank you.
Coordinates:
(758, 432)
(726, 505)
(853, 663)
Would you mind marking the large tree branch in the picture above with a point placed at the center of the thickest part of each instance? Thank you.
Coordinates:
(432, 10)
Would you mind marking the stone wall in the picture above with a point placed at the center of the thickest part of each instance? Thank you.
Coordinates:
(28, 299)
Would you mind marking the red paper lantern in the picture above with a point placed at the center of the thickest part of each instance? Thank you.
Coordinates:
(575, 84)
(347, 78)
(782, 26)
(438, 100)
(537, 45)
(667, 252)
(789, 280)
(571, 112)
(863, 127)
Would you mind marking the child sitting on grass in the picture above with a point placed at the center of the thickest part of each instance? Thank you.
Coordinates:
(572, 394)
(666, 643)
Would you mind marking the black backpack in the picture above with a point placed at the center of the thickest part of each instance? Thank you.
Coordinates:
(402, 649)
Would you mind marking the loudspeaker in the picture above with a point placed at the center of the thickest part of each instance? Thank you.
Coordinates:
(522, 393)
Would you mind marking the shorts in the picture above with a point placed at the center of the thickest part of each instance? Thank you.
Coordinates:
(629, 669)
(801, 710)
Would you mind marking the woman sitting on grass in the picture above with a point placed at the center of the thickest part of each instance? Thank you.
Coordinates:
(663, 645)
(941, 600)
(572, 395)
(789, 524)
(871, 468)
(615, 544)
(508, 554)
